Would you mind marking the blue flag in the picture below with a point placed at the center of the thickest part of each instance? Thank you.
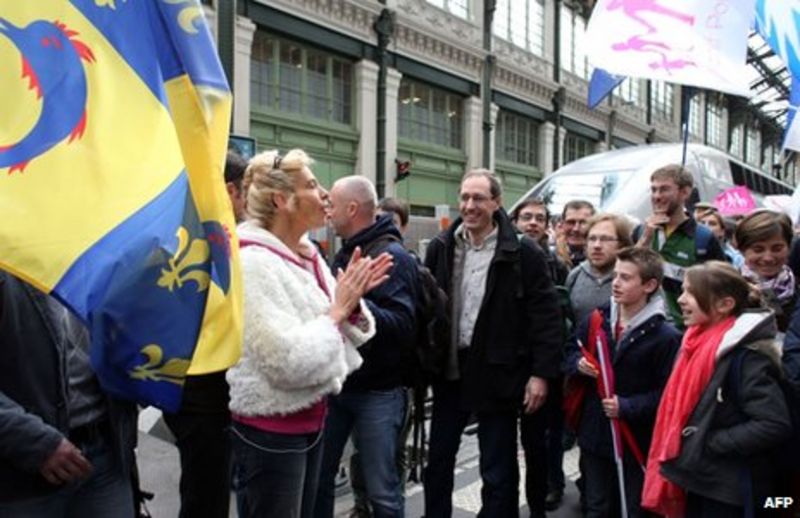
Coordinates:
(778, 22)
(600, 85)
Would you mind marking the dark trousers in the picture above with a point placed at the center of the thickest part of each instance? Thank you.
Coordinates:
(701, 507)
(541, 438)
(275, 474)
(497, 442)
(203, 443)
(106, 492)
(601, 487)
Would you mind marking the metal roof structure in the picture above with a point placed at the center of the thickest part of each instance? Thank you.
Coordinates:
(770, 81)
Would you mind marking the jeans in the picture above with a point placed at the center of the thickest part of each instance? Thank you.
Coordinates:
(361, 500)
(375, 419)
(203, 441)
(275, 475)
(497, 442)
(107, 491)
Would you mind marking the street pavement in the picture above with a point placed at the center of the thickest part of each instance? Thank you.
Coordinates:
(160, 473)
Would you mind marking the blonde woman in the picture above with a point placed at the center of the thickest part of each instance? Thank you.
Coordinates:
(301, 330)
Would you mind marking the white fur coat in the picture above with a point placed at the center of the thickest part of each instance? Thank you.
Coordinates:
(293, 353)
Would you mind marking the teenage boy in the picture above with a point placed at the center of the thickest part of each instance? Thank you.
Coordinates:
(641, 346)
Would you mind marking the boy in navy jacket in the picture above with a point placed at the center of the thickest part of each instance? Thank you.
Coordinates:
(641, 347)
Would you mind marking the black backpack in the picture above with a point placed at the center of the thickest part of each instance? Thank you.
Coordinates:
(427, 350)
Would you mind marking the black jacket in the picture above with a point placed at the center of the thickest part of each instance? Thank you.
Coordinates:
(518, 330)
(642, 360)
(729, 439)
(392, 304)
(34, 416)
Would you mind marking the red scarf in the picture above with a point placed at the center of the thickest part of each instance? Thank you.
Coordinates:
(690, 376)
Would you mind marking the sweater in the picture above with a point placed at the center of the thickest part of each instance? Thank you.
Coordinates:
(588, 289)
(293, 353)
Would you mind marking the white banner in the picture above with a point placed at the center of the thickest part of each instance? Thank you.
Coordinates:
(694, 42)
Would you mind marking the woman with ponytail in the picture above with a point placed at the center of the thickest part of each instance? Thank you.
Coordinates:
(723, 410)
(301, 330)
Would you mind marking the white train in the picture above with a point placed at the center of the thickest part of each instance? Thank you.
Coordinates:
(619, 181)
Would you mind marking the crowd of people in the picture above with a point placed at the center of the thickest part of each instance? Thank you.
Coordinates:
(669, 351)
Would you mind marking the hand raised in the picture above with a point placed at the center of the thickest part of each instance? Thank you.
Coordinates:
(379, 272)
(362, 274)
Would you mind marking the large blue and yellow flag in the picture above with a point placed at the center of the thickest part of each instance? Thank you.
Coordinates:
(114, 128)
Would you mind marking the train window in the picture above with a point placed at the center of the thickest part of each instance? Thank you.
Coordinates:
(737, 172)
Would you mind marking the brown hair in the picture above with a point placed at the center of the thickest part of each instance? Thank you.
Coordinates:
(678, 174)
(761, 225)
(495, 187)
(576, 205)
(713, 280)
(622, 227)
(267, 174)
(647, 260)
(395, 206)
(530, 202)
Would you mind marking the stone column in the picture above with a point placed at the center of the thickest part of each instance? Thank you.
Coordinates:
(473, 132)
(393, 78)
(562, 140)
(493, 139)
(243, 41)
(547, 133)
(366, 77)
(600, 147)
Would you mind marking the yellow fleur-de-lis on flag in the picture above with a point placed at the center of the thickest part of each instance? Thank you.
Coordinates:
(183, 265)
(172, 370)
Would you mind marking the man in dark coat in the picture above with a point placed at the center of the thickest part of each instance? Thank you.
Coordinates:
(373, 401)
(505, 345)
(66, 448)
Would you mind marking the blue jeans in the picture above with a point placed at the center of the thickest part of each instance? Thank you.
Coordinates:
(275, 474)
(107, 491)
(375, 418)
(497, 442)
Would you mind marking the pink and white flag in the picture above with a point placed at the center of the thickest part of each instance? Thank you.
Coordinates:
(694, 42)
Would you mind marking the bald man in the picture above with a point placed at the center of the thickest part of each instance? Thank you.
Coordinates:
(373, 401)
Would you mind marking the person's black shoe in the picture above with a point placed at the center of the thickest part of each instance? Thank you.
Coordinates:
(553, 499)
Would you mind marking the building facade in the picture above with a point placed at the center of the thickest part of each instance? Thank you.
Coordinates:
(309, 73)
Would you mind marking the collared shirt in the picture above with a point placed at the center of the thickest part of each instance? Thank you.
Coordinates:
(470, 271)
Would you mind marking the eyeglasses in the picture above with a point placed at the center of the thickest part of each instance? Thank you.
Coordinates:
(601, 239)
(276, 164)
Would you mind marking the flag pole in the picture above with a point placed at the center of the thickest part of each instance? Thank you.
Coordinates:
(686, 102)
(615, 436)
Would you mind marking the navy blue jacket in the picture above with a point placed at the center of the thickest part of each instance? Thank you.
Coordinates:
(642, 363)
(393, 304)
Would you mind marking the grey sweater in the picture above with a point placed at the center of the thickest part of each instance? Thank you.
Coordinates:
(588, 289)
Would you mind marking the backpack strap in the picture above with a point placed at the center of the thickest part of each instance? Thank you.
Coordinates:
(374, 247)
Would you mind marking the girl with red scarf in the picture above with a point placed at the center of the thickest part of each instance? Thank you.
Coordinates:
(722, 410)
